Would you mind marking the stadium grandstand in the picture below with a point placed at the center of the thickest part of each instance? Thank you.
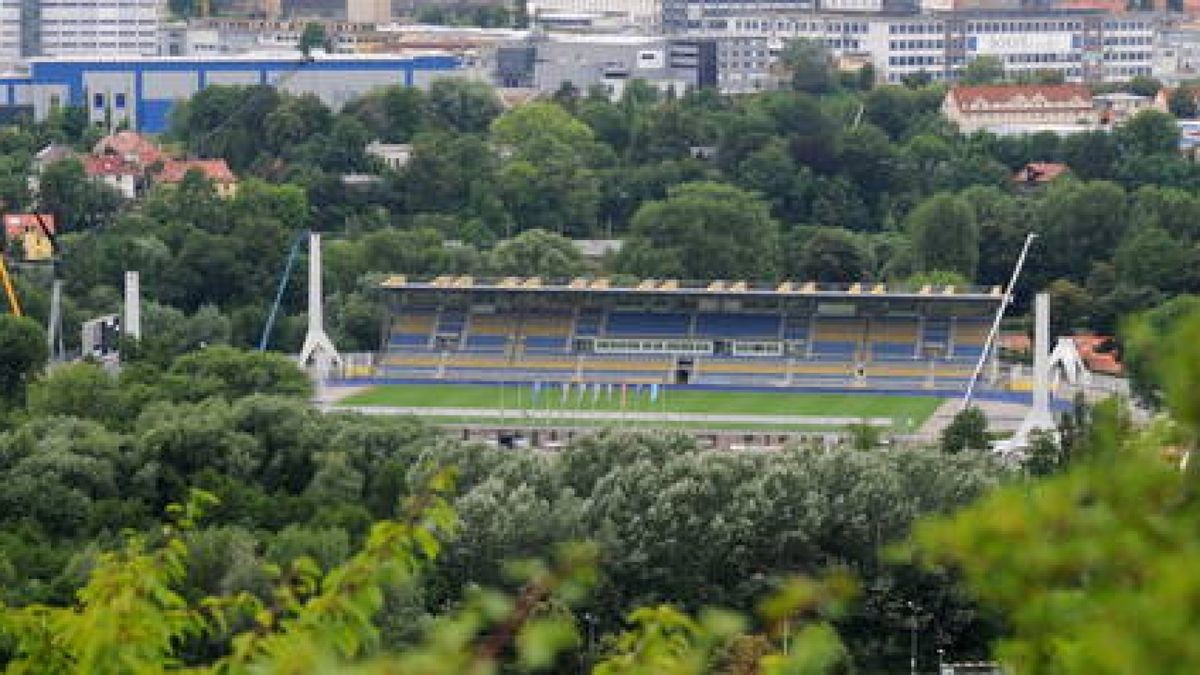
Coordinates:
(459, 328)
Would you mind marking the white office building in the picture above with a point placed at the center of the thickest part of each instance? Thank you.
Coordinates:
(99, 27)
(1085, 46)
(645, 14)
(80, 28)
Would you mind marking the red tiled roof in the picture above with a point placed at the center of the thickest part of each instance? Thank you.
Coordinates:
(109, 165)
(17, 224)
(1097, 361)
(1017, 342)
(1040, 172)
(1001, 94)
(216, 170)
(129, 144)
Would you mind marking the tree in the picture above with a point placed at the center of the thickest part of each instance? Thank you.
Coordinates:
(1149, 256)
(538, 253)
(703, 231)
(1150, 132)
(810, 65)
(967, 431)
(23, 354)
(1143, 85)
(945, 235)
(1182, 103)
(828, 254)
(1080, 223)
(313, 37)
(1003, 225)
(1072, 307)
(392, 115)
(463, 105)
(985, 69)
(77, 201)
(1144, 354)
(1107, 592)
(229, 372)
(1092, 155)
(76, 390)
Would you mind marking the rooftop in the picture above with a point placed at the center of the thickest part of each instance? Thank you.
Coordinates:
(216, 170)
(676, 287)
(1021, 94)
(1040, 172)
(109, 165)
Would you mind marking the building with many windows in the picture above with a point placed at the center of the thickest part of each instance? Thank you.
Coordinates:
(988, 107)
(1085, 46)
(75, 27)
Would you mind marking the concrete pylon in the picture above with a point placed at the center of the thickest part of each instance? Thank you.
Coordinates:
(131, 322)
(318, 349)
(1039, 417)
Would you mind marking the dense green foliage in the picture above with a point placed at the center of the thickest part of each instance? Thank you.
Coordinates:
(839, 181)
(1093, 567)
(95, 455)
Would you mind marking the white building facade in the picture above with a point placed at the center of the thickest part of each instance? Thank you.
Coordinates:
(1083, 46)
(99, 27)
(645, 14)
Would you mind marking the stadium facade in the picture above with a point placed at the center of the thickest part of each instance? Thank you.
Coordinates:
(141, 92)
(667, 332)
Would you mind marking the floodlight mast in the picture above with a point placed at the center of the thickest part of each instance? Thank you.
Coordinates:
(1004, 303)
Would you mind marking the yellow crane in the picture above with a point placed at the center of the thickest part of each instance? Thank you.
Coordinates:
(14, 303)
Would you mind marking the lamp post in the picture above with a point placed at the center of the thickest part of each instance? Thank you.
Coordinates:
(912, 651)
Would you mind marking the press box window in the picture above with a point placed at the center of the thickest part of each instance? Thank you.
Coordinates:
(98, 101)
(119, 101)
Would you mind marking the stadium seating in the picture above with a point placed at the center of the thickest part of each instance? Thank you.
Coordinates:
(488, 333)
(741, 326)
(935, 336)
(413, 330)
(793, 348)
(451, 323)
(590, 323)
(893, 338)
(546, 333)
(970, 336)
(644, 324)
(837, 338)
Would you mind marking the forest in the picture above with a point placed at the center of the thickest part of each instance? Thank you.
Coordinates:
(297, 540)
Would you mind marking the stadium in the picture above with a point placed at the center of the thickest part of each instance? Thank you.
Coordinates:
(720, 355)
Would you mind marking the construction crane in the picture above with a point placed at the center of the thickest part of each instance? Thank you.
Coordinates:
(14, 303)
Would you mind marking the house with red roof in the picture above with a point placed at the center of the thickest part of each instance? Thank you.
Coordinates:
(125, 177)
(1098, 354)
(215, 170)
(1035, 174)
(132, 147)
(994, 106)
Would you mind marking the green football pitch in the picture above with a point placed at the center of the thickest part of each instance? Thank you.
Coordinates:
(903, 410)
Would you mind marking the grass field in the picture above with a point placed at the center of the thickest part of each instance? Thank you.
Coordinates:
(901, 409)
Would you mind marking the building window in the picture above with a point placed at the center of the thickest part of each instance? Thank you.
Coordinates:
(119, 101)
(98, 101)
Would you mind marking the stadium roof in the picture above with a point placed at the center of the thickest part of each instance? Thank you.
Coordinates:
(675, 287)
